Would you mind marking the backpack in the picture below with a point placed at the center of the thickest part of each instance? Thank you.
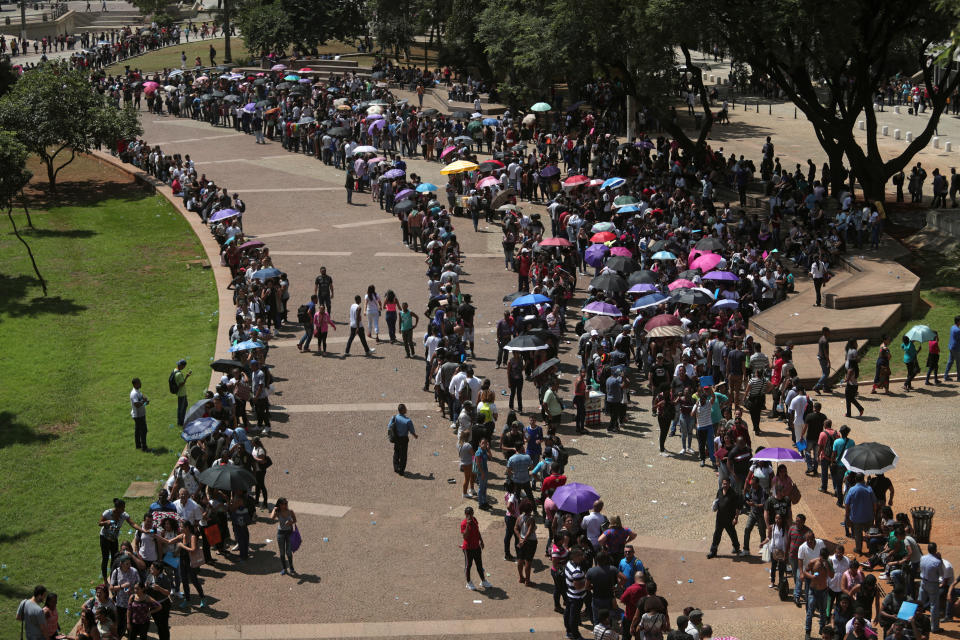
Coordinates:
(172, 381)
(784, 590)
(303, 314)
(830, 440)
(392, 430)
(562, 456)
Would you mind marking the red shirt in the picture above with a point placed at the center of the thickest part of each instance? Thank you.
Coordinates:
(471, 533)
(631, 596)
(552, 482)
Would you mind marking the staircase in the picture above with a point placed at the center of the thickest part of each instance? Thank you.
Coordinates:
(96, 22)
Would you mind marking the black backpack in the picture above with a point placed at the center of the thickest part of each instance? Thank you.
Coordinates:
(303, 314)
(172, 381)
(784, 590)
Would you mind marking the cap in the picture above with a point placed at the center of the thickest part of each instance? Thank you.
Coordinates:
(181, 363)
(253, 362)
(594, 332)
(183, 460)
(696, 613)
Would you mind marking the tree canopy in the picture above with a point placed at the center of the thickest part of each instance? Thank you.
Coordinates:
(270, 26)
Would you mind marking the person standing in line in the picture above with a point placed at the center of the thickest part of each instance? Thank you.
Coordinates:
(356, 328)
(30, 615)
(260, 392)
(576, 590)
(180, 380)
(818, 572)
(860, 505)
(138, 411)
(480, 459)
(931, 573)
(408, 322)
(401, 427)
(954, 350)
(472, 547)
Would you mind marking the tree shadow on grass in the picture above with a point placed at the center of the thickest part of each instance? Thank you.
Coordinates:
(13, 290)
(59, 233)
(14, 432)
(83, 193)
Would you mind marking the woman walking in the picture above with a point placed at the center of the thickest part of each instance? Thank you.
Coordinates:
(286, 519)
(933, 358)
(881, 378)
(850, 390)
(472, 546)
(371, 309)
(321, 324)
(391, 307)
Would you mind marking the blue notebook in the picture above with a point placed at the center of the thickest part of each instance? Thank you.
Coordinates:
(907, 610)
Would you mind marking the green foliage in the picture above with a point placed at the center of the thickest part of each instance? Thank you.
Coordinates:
(395, 24)
(53, 111)
(265, 27)
(14, 174)
(272, 26)
(151, 7)
(8, 77)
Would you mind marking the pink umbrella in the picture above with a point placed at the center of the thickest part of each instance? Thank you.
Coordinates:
(447, 151)
(150, 84)
(251, 244)
(621, 251)
(278, 67)
(555, 242)
(596, 183)
(574, 181)
(681, 283)
(373, 161)
(489, 181)
(305, 69)
(706, 262)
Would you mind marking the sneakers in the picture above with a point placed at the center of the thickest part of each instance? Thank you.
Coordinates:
(466, 496)
(471, 586)
(283, 572)
(486, 584)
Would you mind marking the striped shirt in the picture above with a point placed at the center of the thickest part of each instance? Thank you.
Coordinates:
(574, 574)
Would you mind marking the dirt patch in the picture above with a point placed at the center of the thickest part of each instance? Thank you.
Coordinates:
(84, 181)
(59, 428)
(951, 290)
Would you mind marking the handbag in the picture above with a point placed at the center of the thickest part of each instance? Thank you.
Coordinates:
(795, 494)
(196, 558)
(295, 539)
(212, 534)
(267, 463)
(765, 553)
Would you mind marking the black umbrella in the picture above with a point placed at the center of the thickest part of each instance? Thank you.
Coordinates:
(197, 410)
(232, 98)
(534, 323)
(227, 477)
(459, 115)
(526, 343)
(207, 97)
(544, 367)
(264, 104)
(227, 366)
(870, 458)
(260, 82)
(489, 166)
(602, 324)
(284, 85)
(339, 132)
(623, 264)
(217, 93)
(690, 296)
(710, 244)
(610, 282)
(662, 245)
(404, 206)
(689, 274)
(430, 112)
(510, 297)
(643, 276)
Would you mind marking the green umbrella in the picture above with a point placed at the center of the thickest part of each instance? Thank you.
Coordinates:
(475, 125)
(920, 333)
(540, 106)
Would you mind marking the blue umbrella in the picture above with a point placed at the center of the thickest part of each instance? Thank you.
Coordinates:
(920, 333)
(527, 300)
(425, 187)
(659, 255)
(265, 274)
(630, 208)
(651, 300)
(247, 345)
(725, 304)
(613, 183)
(490, 122)
(199, 429)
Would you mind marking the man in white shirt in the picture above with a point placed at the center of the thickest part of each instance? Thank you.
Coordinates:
(840, 563)
(798, 405)
(818, 271)
(594, 523)
(456, 386)
(187, 509)
(356, 328)
(184, 477)
(138, 411)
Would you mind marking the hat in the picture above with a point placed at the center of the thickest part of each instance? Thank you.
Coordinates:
(181, 363)
(594, 332)
(183, 460)
(696, 613)
(253, 362)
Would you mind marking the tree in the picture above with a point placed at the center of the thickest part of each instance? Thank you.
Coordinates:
(14, 176)
(265, 27)
(54, 112)
(830, 59)
(305, 24)
(394, 25)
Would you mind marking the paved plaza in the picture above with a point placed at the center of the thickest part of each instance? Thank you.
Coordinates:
(381, 553)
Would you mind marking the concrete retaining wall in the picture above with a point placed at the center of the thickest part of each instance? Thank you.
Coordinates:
(946, 221)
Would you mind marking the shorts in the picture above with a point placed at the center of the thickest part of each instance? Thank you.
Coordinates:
(527, 550)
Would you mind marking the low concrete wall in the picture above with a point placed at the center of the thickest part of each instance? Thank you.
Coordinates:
(65, 24)
(945, 220)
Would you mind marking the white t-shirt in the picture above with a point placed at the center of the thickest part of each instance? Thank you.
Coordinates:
(355, 316)
(840, 567)
(135, 411)
(593, 525)
(798, 405)
(189, 511)
(805, 554)
(148, 547)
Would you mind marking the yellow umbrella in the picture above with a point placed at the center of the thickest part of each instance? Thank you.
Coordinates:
(459, 167)
(343, 107)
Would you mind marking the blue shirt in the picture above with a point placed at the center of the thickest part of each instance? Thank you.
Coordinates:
(629, 569)
(954, 338)
(931, 569)
(614, 389)
(519, 464)
(534, 438)
(403, 425)
(861, 500)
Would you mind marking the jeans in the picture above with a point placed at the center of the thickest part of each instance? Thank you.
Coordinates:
(571, 617)
(953, 357)
(816, 599)
(242, 535)
(516, 389)
(599, 604)
(686, 431)
(824, 374)
(705, 442)
(286, 554)
(307, 335)
(817, 285)
(140, 432)
(188, 575)
(559, 587)
(799, 582)
(754, 521)
(777, 568)
(400, 454)
(929, 595)
(824, 474)
(837, 470)
(482, 481)
(262, 408)
(392, 324)
(357, 332)
(108, 551)
(181, 409)
(509, 536)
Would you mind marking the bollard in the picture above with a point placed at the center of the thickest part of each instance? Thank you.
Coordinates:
(909, 136)
(948, 146)
(758, 107)
(936, 142)
(861, 125)
(770, 109)
(896, 110)
(896, 134)
(794, 113)
(884, 130)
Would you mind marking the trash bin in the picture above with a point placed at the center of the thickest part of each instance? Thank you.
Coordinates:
(922, 522)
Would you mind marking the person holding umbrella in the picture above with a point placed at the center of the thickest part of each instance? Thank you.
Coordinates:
(909, 359)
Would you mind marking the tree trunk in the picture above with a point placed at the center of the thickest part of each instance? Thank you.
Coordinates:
(23, 201)
(51, 174)
(16, 232)
(227, 56)
(837, 176)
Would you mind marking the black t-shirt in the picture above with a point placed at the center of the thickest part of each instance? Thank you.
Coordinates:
(880, 486)
(466, 313)
(735, 361)
(602, 580)
(775, 506)
(323, 284)
(814, 425)
(659, 375)
(740, 458)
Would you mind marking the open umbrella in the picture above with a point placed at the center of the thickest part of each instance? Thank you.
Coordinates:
(600, 227)
(339, 132)
(662, 320)
(540, 107)
(227, 477)
(722, 276)
(365, 148)
(623, 252)
(651, 300)
(529, 299)
(778, 454)
(609, 282)
(278, 67)
(252, 244)
(459, 166)
(576, 181)
(291, 77)
(269, 272)
(707, 261)
(503, 198)
(575, 497)
(526, 343)
(223, 214)
(595, 254)
(663, 255)
(622, 201)
(726, 303)
(613, 183)
(250, 107)
(404, 206)
(394, 173)
(630, 208)
(710, 244)
(644, 276)
(549, 171)
(374, 126)
(196, 410)
(447, 151)
(490, 122)
(601, 324)
(603, 309)
(870, 458)
(490, 165)
(642, 288)
(489, 181)
(426, 187)
(603, 236)
(405, 193)
(544, 367)
(555, 242)
(510, 297)
(691, 296)
(920, 333)
(199, 429)
(666, 332)
(467, 140)
(227, 366)
(247, 345)
(619, 262)
(681, 283)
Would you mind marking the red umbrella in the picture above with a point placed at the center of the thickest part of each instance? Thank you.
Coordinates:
(555, 242)
(662, 320)
(498, 163)
(603, 236)
(574, 181)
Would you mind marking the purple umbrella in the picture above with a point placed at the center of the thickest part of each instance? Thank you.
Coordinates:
(550, 171)
(595, 254)
(603, 309)
(722, 275)
(376, 124)
(250, 107)
(406, 193)
(643, 287)
(778, 454)
(224, 214)
(374, 116)
(394, 174)
(575, 497)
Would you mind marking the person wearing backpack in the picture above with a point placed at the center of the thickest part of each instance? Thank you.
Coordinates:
(178, 387)
(305, 318)
(398, 432)
(840, 445)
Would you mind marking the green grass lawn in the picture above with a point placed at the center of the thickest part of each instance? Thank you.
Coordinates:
(122, 303)
(169, 57)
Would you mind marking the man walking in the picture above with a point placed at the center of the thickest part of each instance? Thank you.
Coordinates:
(401, 428)
(138, 411)
(954, 349)
(180, 384)
(260, 391)
(323, 288)
(823, 357)
(356, 328)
